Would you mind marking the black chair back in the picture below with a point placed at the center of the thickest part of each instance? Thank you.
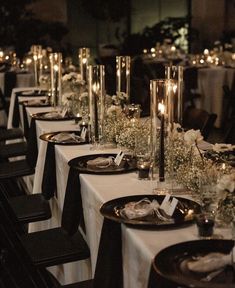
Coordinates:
(16, 266)
(194, 118)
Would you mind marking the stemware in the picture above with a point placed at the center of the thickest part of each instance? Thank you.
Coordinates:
(209, 200)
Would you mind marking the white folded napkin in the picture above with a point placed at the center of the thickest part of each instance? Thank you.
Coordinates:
(52, 115)
(35, 102)
(29, 92)
(100, 162)
(63, 137)
(143, 208)
(211, 262)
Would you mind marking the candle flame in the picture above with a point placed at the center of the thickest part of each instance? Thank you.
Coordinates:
(56, 67)
(161, 108)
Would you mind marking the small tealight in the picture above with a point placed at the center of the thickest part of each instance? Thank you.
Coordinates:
(77, 118)
(205, 224)
(143, 170)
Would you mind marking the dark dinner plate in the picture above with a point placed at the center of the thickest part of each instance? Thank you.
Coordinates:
(171, 264)
(128, 164)
(41, 116)
(183, 214)
(49, 138)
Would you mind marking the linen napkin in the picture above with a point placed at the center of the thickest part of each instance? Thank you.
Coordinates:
(16, 112)
(49, 173)
(108, 272)
(72, 213)
(32, 150)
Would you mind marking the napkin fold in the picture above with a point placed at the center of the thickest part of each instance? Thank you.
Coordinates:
(66, 136)
(211, 262)
(100, 162)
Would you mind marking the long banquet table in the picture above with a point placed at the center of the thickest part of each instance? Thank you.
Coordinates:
(138, 246)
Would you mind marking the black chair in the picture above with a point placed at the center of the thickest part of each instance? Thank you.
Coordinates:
(194, 118)
(230, 132)
(9, 134)
(24, 208)
(17, 269)
(52, 246)
(190, 86)
(13, 150)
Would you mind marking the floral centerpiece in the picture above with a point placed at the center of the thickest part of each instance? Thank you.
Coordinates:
(187, 162)
(75, 96)
(226, 186)
(72, 85)
(120, 128)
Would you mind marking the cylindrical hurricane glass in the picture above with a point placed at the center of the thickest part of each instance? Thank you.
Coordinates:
(162, 115)
(56, 74)
(176, 73)
(123, 66)
(37, 62)
(83, 56)
(96, 93)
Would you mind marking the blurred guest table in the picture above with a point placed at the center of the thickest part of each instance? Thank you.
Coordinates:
(210, 85)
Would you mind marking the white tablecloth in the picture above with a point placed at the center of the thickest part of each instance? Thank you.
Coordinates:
(139, 246)
(210, 85)
(12, 102)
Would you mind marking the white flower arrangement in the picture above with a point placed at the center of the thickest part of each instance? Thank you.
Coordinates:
(226, 186)
(121, 130)
(193, 137)
(72, 86)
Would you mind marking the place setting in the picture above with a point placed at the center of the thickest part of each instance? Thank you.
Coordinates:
(35, 103)
(104, 163)
(200, 263)
(151, 211)
(54, 115)
(75, 137)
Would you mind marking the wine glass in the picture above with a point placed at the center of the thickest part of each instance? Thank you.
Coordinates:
(209, 197)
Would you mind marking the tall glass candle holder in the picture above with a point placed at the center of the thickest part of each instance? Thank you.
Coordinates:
(96, 92)
(176, 73)
(123, 65)
(37, 62)
(83, 56)
(56, 74)
(162, 94)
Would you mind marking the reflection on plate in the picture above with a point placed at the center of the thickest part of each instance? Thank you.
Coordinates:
(171, 264)
(183, 215)
(128, 164)
(50, 116)
(35, 103)
(63, 138)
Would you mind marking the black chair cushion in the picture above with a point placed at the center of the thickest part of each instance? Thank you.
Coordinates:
(15, 169)
(54, 246)
(13, 150)
(30, 208)
(9, 134)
